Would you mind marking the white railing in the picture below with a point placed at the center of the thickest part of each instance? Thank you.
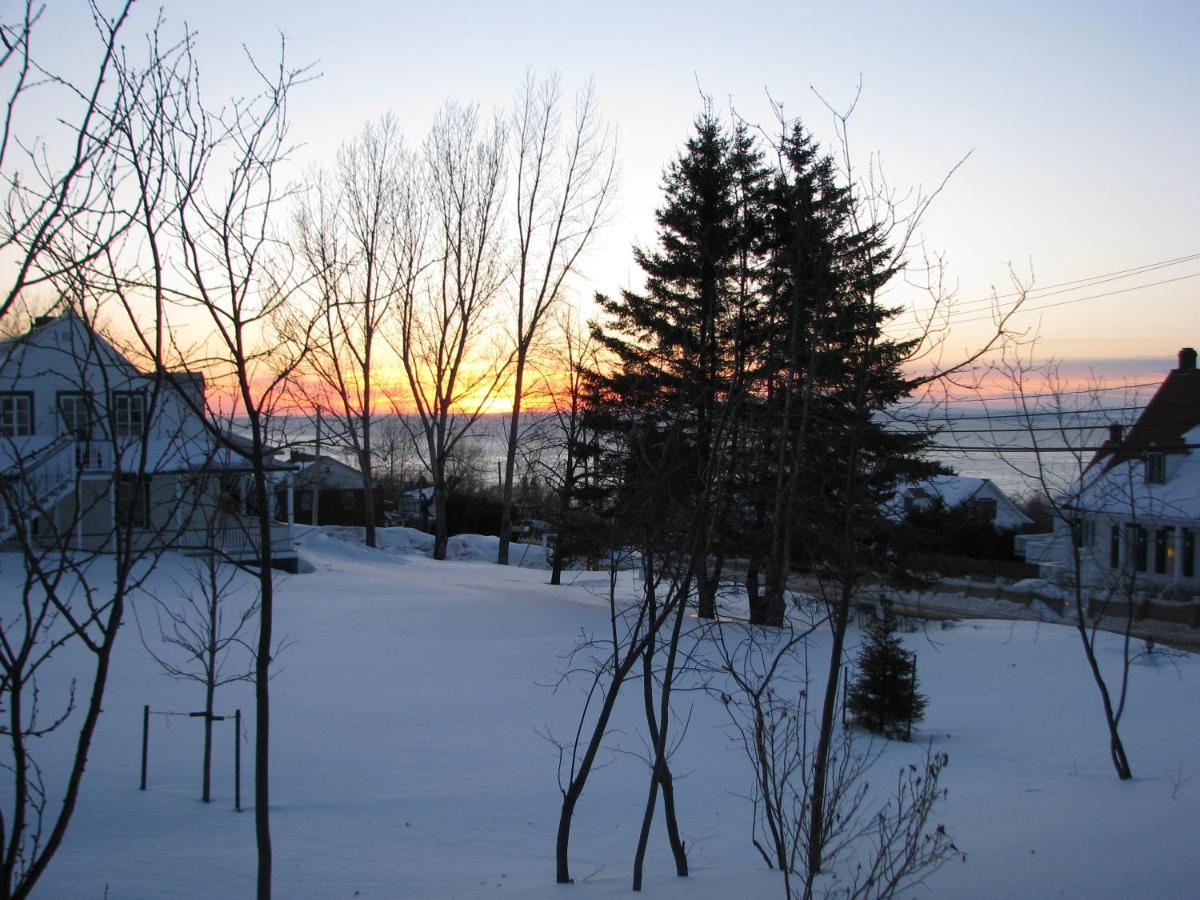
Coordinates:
(35, 483)
(94, 456)
(236, 542)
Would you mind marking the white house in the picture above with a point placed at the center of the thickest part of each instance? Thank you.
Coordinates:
(955, 490)
(91, 447)
(1136, 507)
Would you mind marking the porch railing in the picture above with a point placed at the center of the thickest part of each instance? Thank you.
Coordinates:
(237, 542)
(94, 456)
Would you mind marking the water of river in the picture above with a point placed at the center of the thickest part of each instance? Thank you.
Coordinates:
(1002, 451)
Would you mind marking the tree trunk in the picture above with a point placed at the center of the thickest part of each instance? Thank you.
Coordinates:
(575, 788)
(1116, 746)
(753, 599)
(510, 460)
(368, 482)
(707, 584)
(206, 792)
(816, 829)
(262, 682)
(441, 532)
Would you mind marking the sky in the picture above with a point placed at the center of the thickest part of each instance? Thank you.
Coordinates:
(1080, 124)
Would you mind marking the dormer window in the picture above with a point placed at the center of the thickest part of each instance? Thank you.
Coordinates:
(1156, 467)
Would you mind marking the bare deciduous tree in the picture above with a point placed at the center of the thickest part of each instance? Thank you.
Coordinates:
(213, 257)
(204, 631)
(761, 678)
(448, 288)
(1081, 499)
(564, 174)
(347, 233)
(563, 448)
(80, 507)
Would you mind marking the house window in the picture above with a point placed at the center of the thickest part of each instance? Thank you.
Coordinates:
(75, 411)
(16, 414)
(1164, 550)
(1138, 540)
(1189, 553)
(133, 502)
(1083, 532)
(231, 493)
(987, 507)
(1114, 547)
(1156, 467)
(129, 413)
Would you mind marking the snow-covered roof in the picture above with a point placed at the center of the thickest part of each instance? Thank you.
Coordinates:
(1120, 488)
(1115, 482)
(954, 490)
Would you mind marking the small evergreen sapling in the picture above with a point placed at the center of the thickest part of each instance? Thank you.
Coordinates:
(884, 696)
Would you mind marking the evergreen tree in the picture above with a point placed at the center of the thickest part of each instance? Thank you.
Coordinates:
(681, 345)
(826, 372)
(884, 696)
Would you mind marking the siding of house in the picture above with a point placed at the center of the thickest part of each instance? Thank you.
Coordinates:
(178, 492)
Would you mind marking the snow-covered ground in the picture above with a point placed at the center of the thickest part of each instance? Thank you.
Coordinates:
(408, 761)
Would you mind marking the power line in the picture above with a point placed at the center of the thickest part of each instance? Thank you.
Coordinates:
(1030, 309)
(1022, 415)
(1081, 449)
(998, 397)
(1079, 283)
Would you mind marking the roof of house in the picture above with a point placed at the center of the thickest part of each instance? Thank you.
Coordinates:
(71, 333)
(328, 471)
(1170, 422)
(954, 490)
(1171, 413)
(1123, 491)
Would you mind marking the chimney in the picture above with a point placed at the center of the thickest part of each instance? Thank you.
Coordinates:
(39, 321)
(1187, 359)
(1115, 432)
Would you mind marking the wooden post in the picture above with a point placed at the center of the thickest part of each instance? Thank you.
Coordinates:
(237, 760)
(145, 740)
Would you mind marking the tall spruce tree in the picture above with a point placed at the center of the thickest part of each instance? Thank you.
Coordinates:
(824, 372)
(681, 345)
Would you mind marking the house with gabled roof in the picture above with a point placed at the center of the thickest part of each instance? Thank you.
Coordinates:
(92, 447)
(956, 490)
(1135, 510)
(337, 488)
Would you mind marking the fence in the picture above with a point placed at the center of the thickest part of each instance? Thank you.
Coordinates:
(237, 745)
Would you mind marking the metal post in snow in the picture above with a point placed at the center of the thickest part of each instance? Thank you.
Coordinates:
(145, 740)
(237, 760)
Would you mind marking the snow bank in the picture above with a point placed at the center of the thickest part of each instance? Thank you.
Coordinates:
(402, 541)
